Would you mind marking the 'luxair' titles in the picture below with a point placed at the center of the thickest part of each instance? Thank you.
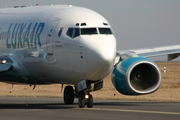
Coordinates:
(21, 35)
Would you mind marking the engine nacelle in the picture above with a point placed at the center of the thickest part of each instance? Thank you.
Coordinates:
(136, 76)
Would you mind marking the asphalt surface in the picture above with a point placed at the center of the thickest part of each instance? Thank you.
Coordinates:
(31, 108)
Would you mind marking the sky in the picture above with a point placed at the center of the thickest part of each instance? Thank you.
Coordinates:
(136, 23)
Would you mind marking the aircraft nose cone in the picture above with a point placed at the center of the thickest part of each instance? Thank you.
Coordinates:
(101, 60)
(101, 57)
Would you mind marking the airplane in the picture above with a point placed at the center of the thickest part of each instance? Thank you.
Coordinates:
(76, 47)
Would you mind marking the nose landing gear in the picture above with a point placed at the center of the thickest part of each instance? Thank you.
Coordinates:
(85, 99)
(82, 92)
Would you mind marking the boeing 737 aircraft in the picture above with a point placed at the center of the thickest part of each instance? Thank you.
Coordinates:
(75, 46)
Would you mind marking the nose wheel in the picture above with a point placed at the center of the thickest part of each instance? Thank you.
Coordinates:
(90, 101)
(85, 99)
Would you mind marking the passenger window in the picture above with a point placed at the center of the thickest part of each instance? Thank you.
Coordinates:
(73, 32)
(105, 31)
(88, 31)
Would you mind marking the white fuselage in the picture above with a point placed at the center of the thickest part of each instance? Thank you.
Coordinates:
(63, 44)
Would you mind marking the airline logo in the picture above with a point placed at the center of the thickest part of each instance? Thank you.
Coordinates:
(21, 35)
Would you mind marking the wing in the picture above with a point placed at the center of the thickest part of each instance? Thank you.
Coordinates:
(172, 52)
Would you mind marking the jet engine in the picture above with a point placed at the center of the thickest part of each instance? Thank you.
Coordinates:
(136, 76)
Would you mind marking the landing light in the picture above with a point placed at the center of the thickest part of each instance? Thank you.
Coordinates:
(3, 61)
(86, 96)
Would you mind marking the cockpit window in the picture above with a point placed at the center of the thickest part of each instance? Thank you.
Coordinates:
(70, 32)
(88, 31)
(105, 31)
(73, 32)
(76, 32)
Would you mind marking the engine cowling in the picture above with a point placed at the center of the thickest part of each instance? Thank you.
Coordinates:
(136, 76)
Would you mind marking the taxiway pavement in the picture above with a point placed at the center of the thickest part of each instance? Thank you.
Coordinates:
(39, 108)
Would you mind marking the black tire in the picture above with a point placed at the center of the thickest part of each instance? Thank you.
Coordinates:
(68, 95)
(90, 102)
(81, 101)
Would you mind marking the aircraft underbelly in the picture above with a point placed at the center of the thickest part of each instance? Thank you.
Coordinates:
(37, 69)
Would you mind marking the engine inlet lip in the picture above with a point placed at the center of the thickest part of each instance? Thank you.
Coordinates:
(150, 89)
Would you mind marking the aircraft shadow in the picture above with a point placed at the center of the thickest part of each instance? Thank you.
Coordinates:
(63, 106)
(37, 106)
(125, 103)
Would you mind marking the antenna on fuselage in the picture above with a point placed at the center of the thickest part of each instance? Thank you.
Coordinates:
(30, 3)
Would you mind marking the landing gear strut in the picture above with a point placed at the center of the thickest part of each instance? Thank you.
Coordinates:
(83, 90)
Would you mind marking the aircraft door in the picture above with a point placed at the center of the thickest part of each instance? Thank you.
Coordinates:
(49, 39)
